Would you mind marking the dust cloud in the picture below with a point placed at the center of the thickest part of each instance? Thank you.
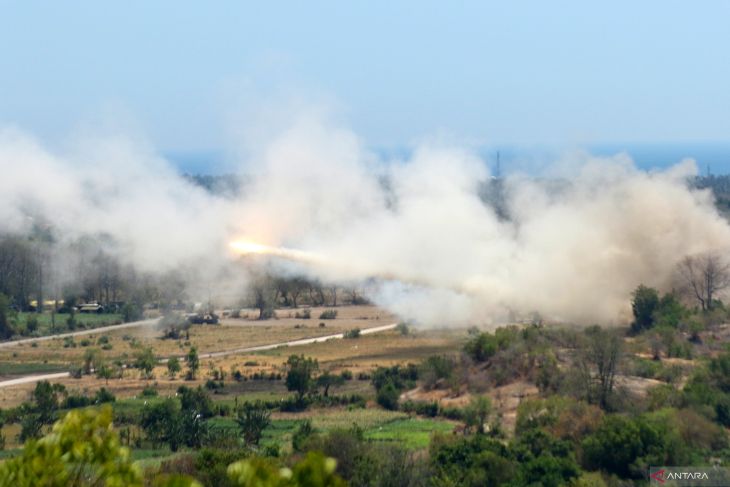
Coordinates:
(432, 237)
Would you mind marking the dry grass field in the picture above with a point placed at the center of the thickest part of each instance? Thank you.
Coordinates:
(360, 354)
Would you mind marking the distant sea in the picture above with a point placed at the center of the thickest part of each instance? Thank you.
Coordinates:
(712, 157)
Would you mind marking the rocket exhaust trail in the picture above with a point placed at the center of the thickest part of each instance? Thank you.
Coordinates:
(249, 247)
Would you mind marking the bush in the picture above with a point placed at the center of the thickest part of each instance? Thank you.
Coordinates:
(74, 401)
(430, 409)
(31, 324)
(294, 404)
(387, 396)
(329, 314)
(627, 446)
(303, 315)
(645, 303)
(211, 385)
(483, 346)
(104, 395)
(346, 374)
(149, 391)
(351, 334)
(301, 435)
(436, 368)
(131, 312)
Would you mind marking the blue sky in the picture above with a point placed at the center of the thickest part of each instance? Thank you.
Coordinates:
(522, 72)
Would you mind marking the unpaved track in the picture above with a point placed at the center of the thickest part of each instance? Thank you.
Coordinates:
(89, 331)
(292, 343)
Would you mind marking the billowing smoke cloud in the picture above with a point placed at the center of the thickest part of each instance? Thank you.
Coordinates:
(571, 247)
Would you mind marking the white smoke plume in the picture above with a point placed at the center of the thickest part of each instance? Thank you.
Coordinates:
(571, 247)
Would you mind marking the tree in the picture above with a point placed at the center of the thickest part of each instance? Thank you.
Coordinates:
(6, 329)
(252, 420)
(299, 374)
(644, 305)
(314, 470)
(387, 396)
(92, 360)
(544, 460)
(195, 400)
(598, 364)
(45, 397)
(627, 446)
(477, 413)
(173, 367)
(104, 372)
(146, 361)
(328, 380)
(705, 276)
(131, 312)
(84, 450)
(193, 362)
(263, 295)
(161, 423)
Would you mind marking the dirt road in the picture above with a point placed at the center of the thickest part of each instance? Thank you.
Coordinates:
(292, 343)
(101, 329)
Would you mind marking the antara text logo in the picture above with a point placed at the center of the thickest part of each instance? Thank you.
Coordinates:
(680, 476)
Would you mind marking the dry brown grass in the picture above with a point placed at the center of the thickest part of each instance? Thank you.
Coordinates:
(359, 354)
(230, 335)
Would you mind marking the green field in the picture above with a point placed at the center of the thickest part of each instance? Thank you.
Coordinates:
(377, 425)
(413, 433)
(26, 368)
(83, 320)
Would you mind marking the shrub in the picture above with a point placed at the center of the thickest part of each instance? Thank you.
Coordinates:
(303, 315)
(294, 404)
(301, 435)
(149, 391)
(131, 312)
(387, 396)
(482, 347)
(31, 324)
(104, 395)
(346, 374)
(644, 304)
(329, 314)
(252, 420)
(351, 334)
(436, 368)
(430, 409)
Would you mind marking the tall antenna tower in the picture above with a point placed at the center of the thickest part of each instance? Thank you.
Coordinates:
(498, 168)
